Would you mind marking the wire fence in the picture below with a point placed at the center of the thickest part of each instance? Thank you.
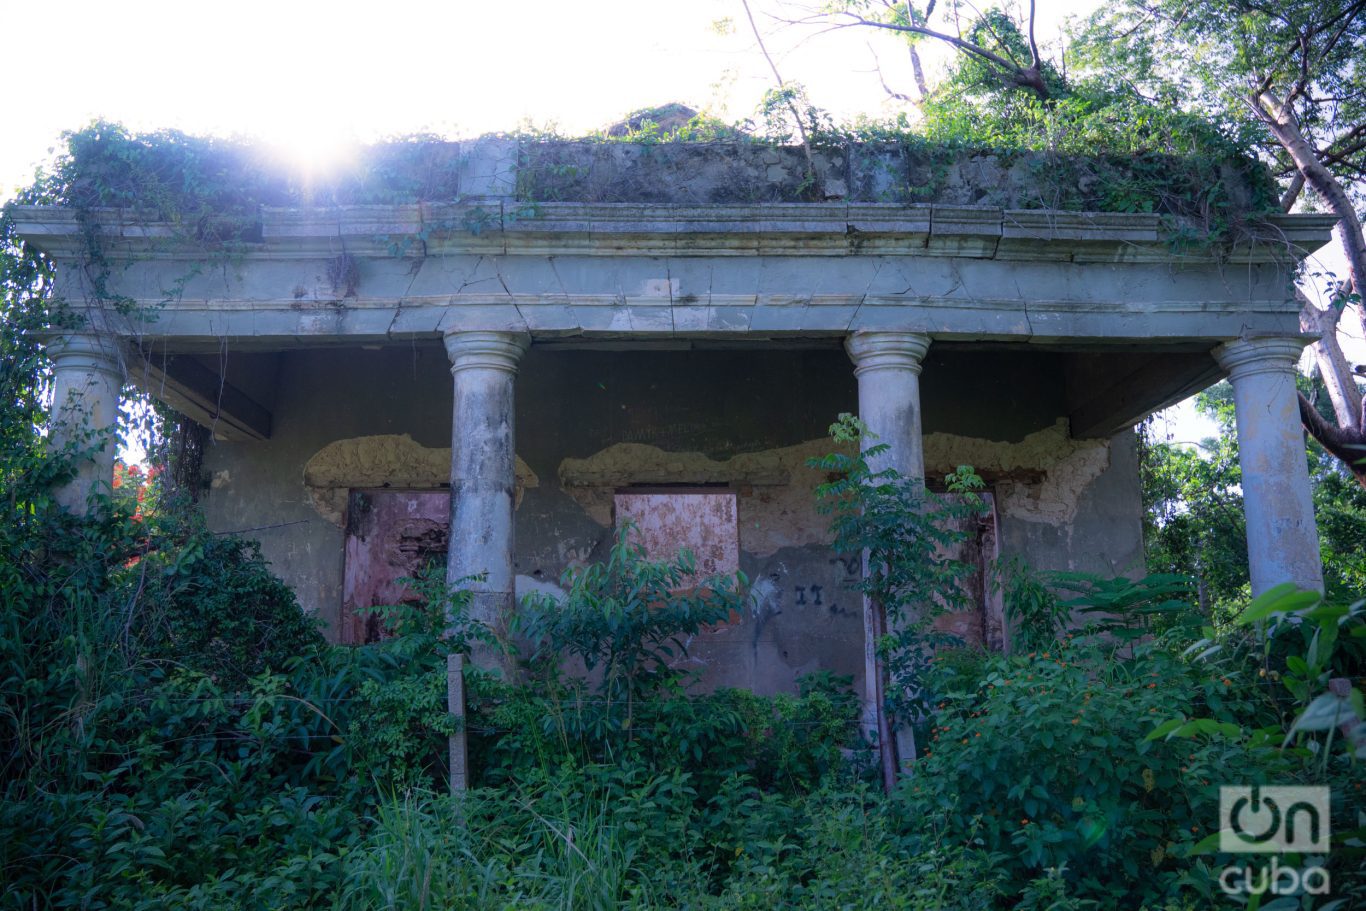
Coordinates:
(555, 712)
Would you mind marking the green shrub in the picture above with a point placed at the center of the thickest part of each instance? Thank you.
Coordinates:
(1037, 615)
(842, 849)
(215, 606)
(190, 797)
(628, 619)
(173, 732)
(625, 621)
(1047, 762)
(785, 743)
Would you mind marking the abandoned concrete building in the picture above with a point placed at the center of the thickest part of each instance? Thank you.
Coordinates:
(589, 333)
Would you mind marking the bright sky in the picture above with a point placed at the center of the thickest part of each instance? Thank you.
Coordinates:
(311, 77)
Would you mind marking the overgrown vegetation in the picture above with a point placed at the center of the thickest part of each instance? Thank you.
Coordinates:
(151, 760)
(1096, 152)
(137, 775)
(906, 535)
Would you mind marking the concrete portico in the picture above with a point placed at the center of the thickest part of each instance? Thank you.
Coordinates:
(630, 331)
(569, 271)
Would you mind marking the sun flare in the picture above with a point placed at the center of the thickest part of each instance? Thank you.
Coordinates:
(316, 153)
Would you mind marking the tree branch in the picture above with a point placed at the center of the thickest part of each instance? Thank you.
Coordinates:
(1349, 143)
(1292, 192)
(1347, 446)
(881, 78)
(1034, 61)
(1335, 152)
(919, 73)
(1024, 77)
(1348, 16)
(1285, 127)
(1336, 373)
(778, 77)
(891, 92)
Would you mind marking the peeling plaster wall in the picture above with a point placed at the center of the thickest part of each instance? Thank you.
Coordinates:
(747, 419)
(1104, 533)
(322, 396)
(591, 422)
(1064, 504)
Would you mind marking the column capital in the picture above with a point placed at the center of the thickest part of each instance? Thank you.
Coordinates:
(887, 350)
(490, 350)
(1251, 356)
(88, 351)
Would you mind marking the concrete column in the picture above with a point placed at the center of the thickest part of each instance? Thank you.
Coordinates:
(887, 365)
(483, 467)
(1282, 539)
(87, 374)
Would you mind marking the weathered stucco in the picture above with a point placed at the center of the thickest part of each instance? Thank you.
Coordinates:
(776, 504)
(748, 419)
(1041, 478)
(383, 460)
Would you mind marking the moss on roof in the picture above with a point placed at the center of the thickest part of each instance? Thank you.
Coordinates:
(180, 178)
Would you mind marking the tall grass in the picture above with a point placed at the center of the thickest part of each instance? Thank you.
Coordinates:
(552, 848)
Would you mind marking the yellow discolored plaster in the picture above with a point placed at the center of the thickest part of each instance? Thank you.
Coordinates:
(385, 460)
(777, 506)
(1067, 467)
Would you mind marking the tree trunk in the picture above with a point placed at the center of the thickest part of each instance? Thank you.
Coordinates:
(1347, 445)
(920, 84)
(1337, 373)
(1347, 439)
(1284, 125)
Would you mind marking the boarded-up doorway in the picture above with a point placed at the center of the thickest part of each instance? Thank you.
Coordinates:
(669, 520)
(391, 535)
(982, 625)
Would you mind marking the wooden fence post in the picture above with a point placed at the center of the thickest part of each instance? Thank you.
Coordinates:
(455, 704)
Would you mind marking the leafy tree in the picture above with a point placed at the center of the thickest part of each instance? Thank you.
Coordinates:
(24, 279)
(1193, 511)
(906, 535)
(996, 49)
(1287, 76)
(630, 617)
